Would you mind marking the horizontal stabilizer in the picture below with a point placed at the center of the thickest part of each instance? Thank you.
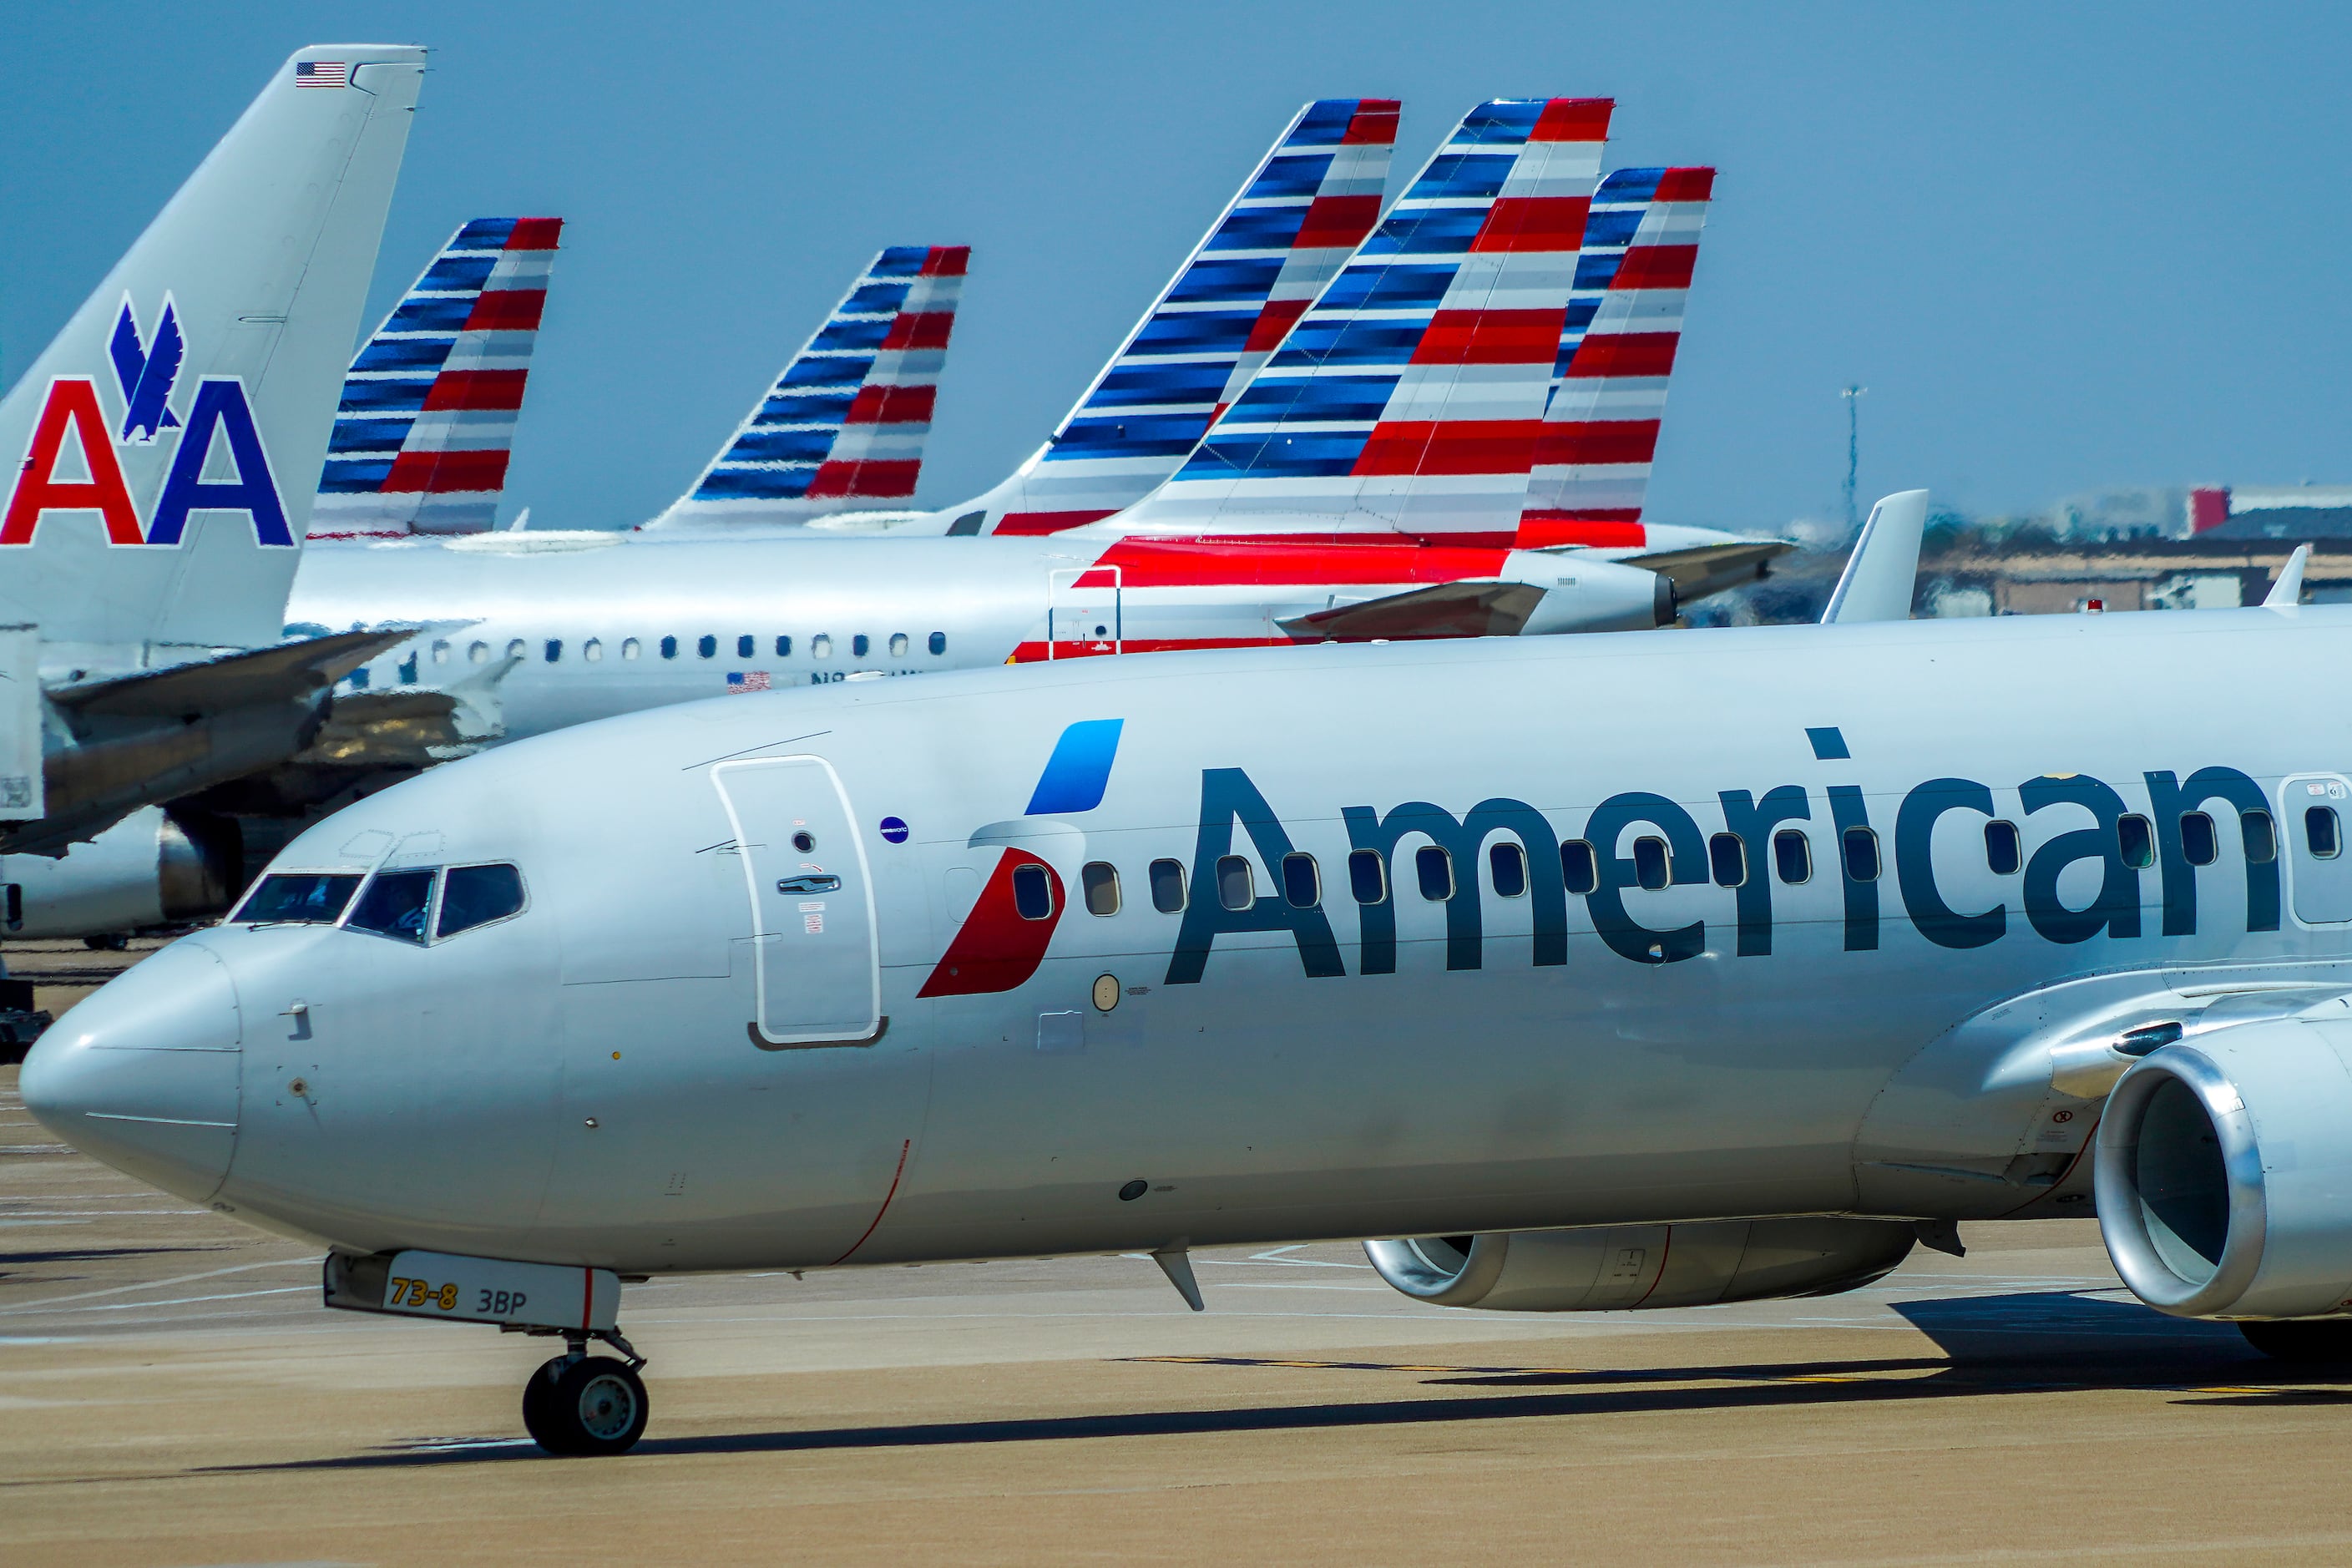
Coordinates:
(234, 681)
(1486, 609)
(1711, 568)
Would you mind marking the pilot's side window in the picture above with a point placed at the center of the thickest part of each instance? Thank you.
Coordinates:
(1793, 857)
(1368, 877)
(1237, 890)
(939, 644)
(394, 904)
(1861, 855)
(1507, 864)
(308, 898)
(1433, 867)
(474, 896)
(1578, 869)
(2135, 840)
(670, 648)
(1099, 881)
(2323, 833)
(1032, 892)
(2261, 838)
(1726, 856)
(2199, 844)
(2004, 855)
(1302, 881)
(1167, 886)
(1652, 867)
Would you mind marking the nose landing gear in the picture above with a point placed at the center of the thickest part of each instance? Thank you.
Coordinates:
(577, 1405)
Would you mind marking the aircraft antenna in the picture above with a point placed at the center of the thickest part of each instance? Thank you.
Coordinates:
(1853, 396)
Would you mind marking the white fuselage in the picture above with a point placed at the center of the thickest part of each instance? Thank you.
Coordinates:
(708, 1042)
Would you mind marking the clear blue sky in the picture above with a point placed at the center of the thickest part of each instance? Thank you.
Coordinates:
(2065, 246)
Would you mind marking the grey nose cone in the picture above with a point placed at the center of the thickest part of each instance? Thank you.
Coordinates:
(143, 1074)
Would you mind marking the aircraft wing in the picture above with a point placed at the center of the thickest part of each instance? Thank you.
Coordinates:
(1466, 609)
(1711, 568)
(234, 680)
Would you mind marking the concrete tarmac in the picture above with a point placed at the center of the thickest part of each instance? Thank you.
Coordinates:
(172, 1393)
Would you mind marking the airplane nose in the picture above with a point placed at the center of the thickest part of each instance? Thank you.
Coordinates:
(143, 1073)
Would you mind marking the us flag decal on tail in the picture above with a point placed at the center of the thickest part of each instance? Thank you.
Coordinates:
(321, 73)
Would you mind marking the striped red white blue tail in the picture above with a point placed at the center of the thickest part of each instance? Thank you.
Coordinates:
(427, 419)
(1300, 214)
(1409, 396)
(843, 430)
(1600, 434)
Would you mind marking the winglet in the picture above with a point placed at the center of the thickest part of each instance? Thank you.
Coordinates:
(1880, 573)
(2287, 592)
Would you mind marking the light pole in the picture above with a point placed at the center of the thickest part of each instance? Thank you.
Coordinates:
(1854, 396)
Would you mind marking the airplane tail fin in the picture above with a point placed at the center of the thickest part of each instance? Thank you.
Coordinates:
(842, 428)
(1409, 396)
(1295, 220)
(428, 413)
(1882, 572)
(1600, 432)
(184, 409)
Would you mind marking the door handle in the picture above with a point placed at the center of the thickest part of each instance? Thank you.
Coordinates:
(818, 884)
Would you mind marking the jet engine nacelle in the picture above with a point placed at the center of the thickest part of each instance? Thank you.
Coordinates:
(1605, 1267)
(2224, 1171)
(147, 869)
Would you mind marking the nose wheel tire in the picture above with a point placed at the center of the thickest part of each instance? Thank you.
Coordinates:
(2315, 1340)
(582, 1407)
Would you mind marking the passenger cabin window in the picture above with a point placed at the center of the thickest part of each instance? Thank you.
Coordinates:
(1651, 866)
(2323, 833)
(858, 645)
(707, 645)
(1235, 888)
(821, 645)
(1302, 881)
(899, 645)
(2259, 837)
(474, 896)
(516, 648)
(480, 653)
(592, 651)
(670, 648)
(1506, 866)
(2135, 840)
(1099, 881)
(2199, 844)
(305, 898)
(1861, 855)
(1793, 857)
(440, 653)
(630, 648)
(746, 647)
(394, 904)
(2004, 855)
(1726, 858)
(783, 648)
(1433, 868)
(555, 650)
(1578, 866)
(1032, 893)
(1368, 877)
(1167, 886)
(939, 644)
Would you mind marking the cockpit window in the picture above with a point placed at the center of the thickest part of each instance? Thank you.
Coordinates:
(311, 897)
(476, 895)
(394, 905)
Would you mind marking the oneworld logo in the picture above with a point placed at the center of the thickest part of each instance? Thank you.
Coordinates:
(71, 464)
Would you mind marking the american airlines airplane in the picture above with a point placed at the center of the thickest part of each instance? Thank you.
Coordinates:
(1230, 539)
(148, 531)
(1575, 973)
